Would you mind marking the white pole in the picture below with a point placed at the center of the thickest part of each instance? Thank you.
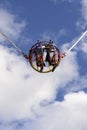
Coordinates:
(80, 38)
(20, 51)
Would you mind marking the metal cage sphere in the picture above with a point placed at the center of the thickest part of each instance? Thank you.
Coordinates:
(44, 56)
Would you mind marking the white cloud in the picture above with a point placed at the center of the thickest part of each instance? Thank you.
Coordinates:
(83, 47)
(9, 24)
(55, 36)
(22, 89)
(82, 23)
(69, 114)
(84, 9)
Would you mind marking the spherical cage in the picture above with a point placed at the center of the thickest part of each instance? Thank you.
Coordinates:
(44, 56)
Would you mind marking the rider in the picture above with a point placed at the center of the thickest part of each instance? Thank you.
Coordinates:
(48, 58)
(56, 64)
(39, 58)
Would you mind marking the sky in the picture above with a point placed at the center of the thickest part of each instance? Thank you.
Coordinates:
(30, 100)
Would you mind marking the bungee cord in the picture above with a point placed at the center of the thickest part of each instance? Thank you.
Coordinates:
(80, 38)
(11, 42)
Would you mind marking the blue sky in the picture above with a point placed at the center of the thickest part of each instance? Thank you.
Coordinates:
(47, 16)
(30, 100)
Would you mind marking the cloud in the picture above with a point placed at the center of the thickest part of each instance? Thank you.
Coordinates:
(11, 24)
(55, 36)
(82, 22)
(68, 114)
(83, 47)
(22, 89)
